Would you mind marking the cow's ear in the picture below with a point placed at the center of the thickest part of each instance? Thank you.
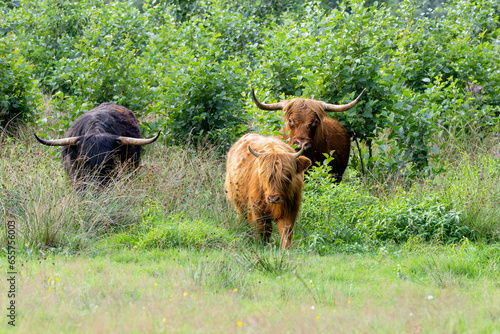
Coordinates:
(303, 163)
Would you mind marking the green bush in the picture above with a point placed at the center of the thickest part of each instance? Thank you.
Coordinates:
(221, 31)
(187, 67)
(110, 63)
(206, 101)
(18, 89)
(45, 32)
(348, 213)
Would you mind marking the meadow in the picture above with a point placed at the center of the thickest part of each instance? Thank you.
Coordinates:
(411, 290)
(408, 242)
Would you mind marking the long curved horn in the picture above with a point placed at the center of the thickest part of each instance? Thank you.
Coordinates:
(342, 107)
(136, 141)
(57, 142)
(253, 152)
(299, 153)
(263, 106)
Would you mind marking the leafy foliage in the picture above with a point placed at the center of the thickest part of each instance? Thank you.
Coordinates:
(348, 214)
(207, 104)
(187, 66)
(17, 87)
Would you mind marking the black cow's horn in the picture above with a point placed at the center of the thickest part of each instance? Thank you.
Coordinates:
(136, 141)
(253, 152)
(299, 153)
(57, 142)
(263, 106)
(342, 107)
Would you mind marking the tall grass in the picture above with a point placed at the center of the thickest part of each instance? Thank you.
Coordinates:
(472, 181)
(176, 199)
(51, 213)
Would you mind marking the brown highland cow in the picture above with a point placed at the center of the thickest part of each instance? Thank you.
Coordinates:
(264, 180)
(308, 127)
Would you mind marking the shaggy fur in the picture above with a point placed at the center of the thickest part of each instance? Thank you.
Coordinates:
(306, 122)
(97, 152)
(267, 188)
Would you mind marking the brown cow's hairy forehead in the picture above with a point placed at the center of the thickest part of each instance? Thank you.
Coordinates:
(304, 108)
(278, 169)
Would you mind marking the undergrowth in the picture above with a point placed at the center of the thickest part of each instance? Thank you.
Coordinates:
(176, 199)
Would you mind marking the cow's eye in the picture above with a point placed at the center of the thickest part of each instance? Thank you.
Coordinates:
(290, 120)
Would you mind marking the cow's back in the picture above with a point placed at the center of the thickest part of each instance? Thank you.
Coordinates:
(241, 168)
(106, 118)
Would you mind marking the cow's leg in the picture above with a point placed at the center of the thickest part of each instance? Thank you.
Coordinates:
(266, 229)
(285, 229)
(240, 212)
(263, 225)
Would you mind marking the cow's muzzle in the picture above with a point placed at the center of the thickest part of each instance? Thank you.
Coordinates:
(275, 199)
(299, 142)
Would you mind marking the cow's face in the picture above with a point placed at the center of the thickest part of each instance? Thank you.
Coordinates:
(303, 119)
(96, 152)
(302, 129)
(281, 174)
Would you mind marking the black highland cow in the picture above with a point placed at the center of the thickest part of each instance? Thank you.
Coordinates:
(98, 140)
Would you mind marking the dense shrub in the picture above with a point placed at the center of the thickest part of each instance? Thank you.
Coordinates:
(348, 213)
(45, 32)
(18, 89)
(206, 102)
(161, 60)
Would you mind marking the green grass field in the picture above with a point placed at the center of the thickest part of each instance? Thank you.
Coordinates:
(409, 289)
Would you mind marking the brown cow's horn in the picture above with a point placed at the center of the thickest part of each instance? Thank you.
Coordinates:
(299, 153)
(342, 107)
(136, 141)
(57, 142)
(263, 106)
(253, 152)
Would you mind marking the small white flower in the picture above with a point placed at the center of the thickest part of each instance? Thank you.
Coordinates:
(310, 281)
(312, 307)
(430, 297)
(411, 314)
